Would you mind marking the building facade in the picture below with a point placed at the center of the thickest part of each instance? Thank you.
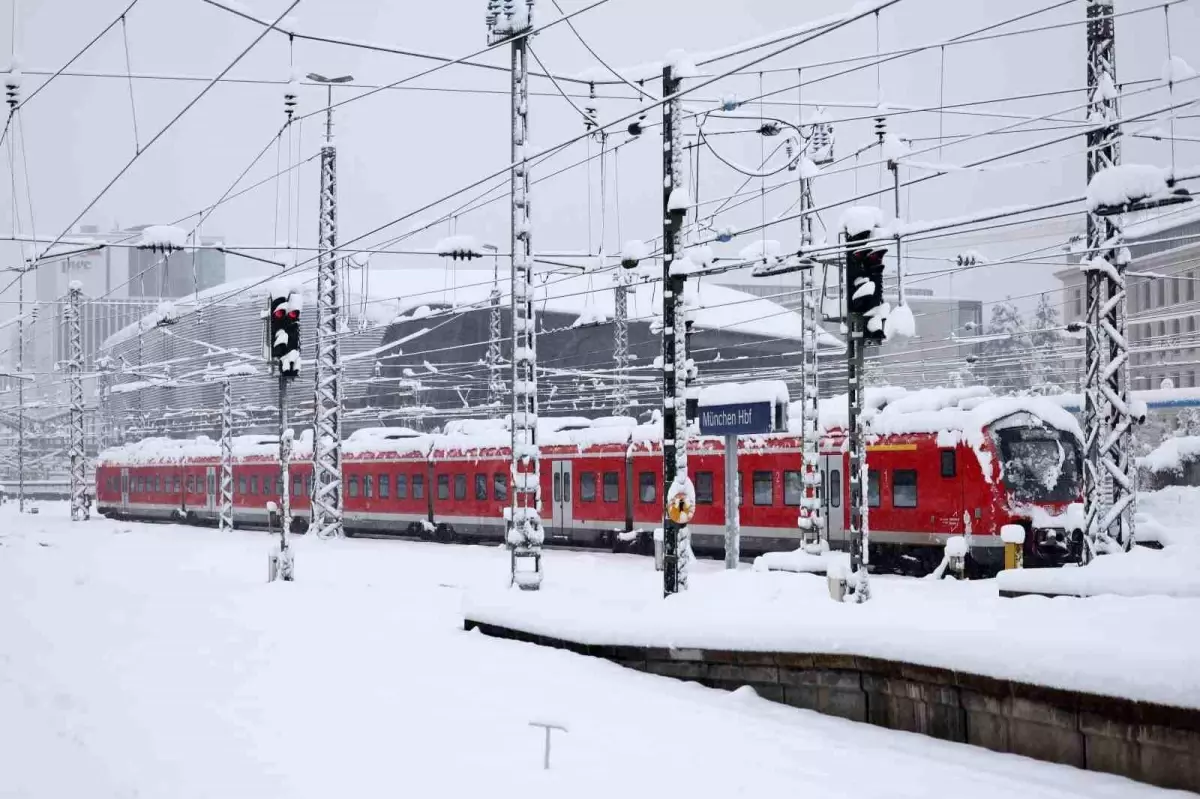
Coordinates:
(1163, 306)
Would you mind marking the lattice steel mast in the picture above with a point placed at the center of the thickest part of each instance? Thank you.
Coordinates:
(676, 538)
(812, 528)
(12, 90)
(621, 406)
(512, 20)
(1108, 422)
(327, 404)
(226, 477)
(496, 386)
(80, 507)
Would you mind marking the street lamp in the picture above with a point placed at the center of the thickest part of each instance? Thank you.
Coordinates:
(317, 77)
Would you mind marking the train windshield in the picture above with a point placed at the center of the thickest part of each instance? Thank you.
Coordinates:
(1039, 464)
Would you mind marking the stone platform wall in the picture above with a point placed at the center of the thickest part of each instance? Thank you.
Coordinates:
(1157, 744)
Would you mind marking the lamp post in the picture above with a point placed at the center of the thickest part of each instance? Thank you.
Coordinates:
(327, 405)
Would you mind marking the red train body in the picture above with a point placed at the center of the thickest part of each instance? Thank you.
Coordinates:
(959, 469)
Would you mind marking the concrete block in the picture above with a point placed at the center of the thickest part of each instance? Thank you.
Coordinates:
(682, 670)
(756, 658)
(793, 660)
(744, 674)
(687, 654)
(848, 704)
(1044, 732)
(805, 696)
(985, 719)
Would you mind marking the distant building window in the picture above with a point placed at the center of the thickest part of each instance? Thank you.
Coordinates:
(1191, 286)
(1174, 291)
(1078, 294)
(1160, 294)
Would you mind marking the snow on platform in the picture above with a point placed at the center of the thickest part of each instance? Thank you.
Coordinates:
(800, 562)
(154, 660)
(1060, 643)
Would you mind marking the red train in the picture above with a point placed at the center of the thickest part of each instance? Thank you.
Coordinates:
(940, 464)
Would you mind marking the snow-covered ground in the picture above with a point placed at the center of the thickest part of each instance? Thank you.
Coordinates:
(140, 660)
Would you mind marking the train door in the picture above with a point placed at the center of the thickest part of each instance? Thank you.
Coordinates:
(833, 500)
(124, 489)
(561, 510)
(210, 488)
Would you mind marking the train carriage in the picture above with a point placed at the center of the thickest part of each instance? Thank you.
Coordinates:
(940, 463)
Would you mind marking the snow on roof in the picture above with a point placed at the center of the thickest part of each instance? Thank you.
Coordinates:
(773, 391)
(1172, 454)
(394, 292)
(891, 410)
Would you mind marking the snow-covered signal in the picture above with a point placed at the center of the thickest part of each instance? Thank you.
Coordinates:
(283, 333)
(864, 279)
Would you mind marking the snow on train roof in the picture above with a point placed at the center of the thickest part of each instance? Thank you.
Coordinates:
(891, 410)
(403, 293)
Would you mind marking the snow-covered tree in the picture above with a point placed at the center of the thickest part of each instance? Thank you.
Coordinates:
(1006, 354)
(1046, 343)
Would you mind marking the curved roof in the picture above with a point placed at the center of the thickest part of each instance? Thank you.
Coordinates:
(390, 293)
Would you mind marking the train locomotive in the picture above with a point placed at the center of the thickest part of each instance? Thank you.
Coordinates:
(940, 463)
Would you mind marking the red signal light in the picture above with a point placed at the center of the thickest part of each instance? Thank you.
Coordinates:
(278, 313)
(293, 315)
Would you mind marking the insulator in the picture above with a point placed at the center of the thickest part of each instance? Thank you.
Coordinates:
(880, 126)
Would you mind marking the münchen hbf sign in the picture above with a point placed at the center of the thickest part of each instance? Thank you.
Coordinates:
(743, 418)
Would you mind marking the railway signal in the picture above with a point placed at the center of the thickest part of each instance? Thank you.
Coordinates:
(283, 333)
(864, 285)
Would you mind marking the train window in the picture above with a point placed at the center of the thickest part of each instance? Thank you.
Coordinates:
(241, 485)
(191, 483)
(872, 488)
(402, 486)
(949, 463)
(157, 484)
(385, 486)
(904, 488)
(557, 487)
(835, 488)
(460, 486)
(368, 486)
(297, 486)
(587, 486)
(612, 487)
(648, 486)
(352, 488)
(418, 486)
(500, 487)
(443, 486)
(764, 488)
(793, 488)
(253, 484)
(212, 484)
(704, 488)
(481, 487)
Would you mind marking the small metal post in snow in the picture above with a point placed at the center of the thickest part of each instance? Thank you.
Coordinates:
(547, 726)
(733, 531)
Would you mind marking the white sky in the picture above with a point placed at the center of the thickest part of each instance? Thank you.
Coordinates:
(401, 149)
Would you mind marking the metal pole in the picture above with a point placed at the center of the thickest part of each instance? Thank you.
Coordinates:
(1109, 518)
(80, 507)
(21, 391)
(525, 534)
(857, 587)
(676, 544)
(285, 461)
(327, 405)
(226, 510)
(733, 532)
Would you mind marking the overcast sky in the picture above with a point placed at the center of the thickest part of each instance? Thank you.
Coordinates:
(399, 150)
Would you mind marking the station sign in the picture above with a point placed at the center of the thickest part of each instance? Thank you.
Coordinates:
(736, 419)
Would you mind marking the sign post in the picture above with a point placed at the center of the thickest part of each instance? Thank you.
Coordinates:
(764, 412)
